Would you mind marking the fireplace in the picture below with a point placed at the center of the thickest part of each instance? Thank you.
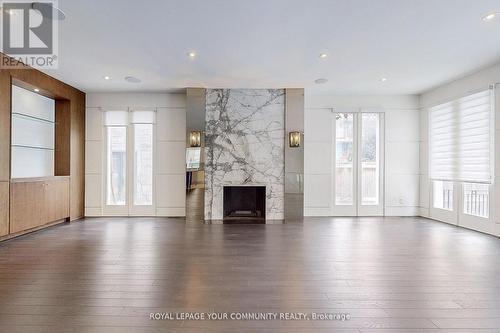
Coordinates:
(243, 203)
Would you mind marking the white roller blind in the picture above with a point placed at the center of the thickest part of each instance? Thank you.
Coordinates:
(460, 139)
(143, 117)
(116, 118)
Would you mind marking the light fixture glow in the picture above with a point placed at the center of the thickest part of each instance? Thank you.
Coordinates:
(195, 139)
(323, 55)
(36, 90)
(383, 79)
(106, 77)
(489, 17)
(294, 139)
(192, 54)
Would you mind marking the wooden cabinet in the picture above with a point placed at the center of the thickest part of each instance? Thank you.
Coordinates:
(56, 200)
(4, 208)
(35, 202)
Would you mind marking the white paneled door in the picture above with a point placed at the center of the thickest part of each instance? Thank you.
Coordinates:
(128, 164)
(357, 164)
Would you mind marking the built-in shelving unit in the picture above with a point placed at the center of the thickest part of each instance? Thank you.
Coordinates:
(32, 134)
(42, 151)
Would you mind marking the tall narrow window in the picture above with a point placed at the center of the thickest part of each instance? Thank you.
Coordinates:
(116, 165)
(344, 163)
(143, 164)
(370, 159)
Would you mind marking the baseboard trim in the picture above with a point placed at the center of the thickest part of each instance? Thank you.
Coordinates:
(32, 230)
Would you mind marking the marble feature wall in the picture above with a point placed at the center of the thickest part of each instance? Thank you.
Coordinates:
(244, 145)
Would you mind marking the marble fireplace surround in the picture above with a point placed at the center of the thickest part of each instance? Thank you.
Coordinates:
(244, 146)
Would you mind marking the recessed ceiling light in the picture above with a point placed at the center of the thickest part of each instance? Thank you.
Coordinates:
(383, 79)
(132, 79)
(489, 17)
(36, 90)
(106, 77)
(323, 55)
(320, 81)
(192, 54)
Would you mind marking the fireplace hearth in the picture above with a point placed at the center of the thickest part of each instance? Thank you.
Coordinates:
(244, 204)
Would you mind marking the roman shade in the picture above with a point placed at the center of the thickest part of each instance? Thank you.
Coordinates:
(123, 118)
(460, 139)
(116, 118)
(143, 117)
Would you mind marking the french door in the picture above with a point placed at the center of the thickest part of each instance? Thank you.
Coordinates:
(128, 163)
(358, 164)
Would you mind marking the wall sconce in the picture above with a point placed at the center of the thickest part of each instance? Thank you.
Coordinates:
(294, 139)
(195, 139)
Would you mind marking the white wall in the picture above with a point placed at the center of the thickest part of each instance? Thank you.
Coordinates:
(472, 83)
(401, 150)
(170, 166)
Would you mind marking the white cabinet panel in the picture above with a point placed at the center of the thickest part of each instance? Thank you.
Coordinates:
(423, 158)
(424, 191)
(402, 158)
(402, 125)
(497, 154)
(171, 157)
(402, 190)
(171, 190)
(93, 157)
(317, 158)
(317, 190)
(171, 124)
(318, 125)
(93, 125)
(93, 191)
(424, 126)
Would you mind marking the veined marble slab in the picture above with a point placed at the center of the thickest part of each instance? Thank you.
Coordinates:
(244, 145)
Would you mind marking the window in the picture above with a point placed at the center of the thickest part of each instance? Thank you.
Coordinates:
(143, 164)
(370, 159)
(443, 194)
(130, 161)
(476, 199)
(116, 165)
(460, 143)
(193, 156)
(344, 166)
(461, 138)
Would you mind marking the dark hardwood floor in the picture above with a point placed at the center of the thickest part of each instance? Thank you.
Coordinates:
(388, 274)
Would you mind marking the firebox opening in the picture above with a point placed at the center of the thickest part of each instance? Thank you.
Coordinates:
(244, 202)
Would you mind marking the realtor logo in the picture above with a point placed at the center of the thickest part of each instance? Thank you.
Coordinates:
(29, 33)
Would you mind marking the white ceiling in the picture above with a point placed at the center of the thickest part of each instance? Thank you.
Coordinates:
(416, 44)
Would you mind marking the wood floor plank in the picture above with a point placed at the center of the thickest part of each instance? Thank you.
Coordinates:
(389, 274)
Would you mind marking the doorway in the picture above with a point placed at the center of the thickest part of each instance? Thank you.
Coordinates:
(358, 164)
(128, 163)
